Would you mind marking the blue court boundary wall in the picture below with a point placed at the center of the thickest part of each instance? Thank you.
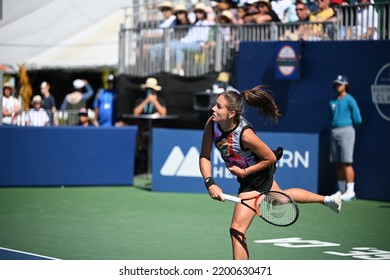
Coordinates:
(56, 156)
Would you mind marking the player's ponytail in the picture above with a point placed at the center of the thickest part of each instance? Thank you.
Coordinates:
(261, 98)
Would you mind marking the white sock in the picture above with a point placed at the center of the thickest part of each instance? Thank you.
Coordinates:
(341, 185)
(326, 200)
(350, 187)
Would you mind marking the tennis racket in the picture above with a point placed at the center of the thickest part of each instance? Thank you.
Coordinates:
(274, 207)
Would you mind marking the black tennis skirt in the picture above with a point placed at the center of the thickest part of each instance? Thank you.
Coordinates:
(260, 181)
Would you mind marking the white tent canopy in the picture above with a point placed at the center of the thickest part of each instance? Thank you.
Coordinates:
(61, 33)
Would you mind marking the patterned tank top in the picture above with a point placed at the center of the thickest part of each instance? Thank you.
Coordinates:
(229, 144)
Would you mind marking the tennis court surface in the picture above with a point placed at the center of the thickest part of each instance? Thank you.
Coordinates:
(134, 223)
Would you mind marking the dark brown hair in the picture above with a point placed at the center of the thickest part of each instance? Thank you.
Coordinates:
(258, 97)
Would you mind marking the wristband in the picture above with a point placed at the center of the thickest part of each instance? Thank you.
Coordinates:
(208, 182)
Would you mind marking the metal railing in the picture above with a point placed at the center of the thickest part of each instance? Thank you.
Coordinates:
(146, 51)
(58, 118)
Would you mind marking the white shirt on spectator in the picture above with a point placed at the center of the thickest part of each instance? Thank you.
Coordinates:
(367, 18)
(10, 104)
(198, 33)
(37, 118)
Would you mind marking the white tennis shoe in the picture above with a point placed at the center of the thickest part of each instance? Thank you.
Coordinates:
(334, 202)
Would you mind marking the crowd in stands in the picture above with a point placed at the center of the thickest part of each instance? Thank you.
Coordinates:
(42, 110)
(239, 12)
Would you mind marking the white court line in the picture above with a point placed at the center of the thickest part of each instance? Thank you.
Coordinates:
(26, 253)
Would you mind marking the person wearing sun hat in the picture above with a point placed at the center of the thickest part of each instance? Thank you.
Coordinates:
(196, 37)
(37, 116)
(346, 116)
(166, 9)
(181, 13)
(152, 103)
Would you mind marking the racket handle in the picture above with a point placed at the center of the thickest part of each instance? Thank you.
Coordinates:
(232, 198)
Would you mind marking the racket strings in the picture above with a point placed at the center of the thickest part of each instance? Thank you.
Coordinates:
(278, 209)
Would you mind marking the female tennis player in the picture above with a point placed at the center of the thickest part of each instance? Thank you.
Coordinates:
(247, 157)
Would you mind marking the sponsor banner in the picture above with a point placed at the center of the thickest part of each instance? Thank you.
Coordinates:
(287, 66)
(175, 161)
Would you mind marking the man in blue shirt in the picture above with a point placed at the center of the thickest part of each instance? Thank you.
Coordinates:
(345, 116)
(105, 104)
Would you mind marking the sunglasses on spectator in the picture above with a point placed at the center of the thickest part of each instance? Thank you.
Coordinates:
(301, 9)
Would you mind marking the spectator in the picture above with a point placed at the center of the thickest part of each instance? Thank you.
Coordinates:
(78, 98)
(84, 119)
(345, 115)
(325, 13)
(168, 21)
(169, 18)
(49, 103)
(37, 116)
(290, 14)
(105, 104)
(224, 19)
(303, 11)
(75, 100)
(348, 17)
(181, 14)
(152, 103)
(11, 105)
(280, 7)
(156, 48)
(241, 12)
(367, 21)
(266, 14)
(303, 31)
(230, 6)
(194, 40)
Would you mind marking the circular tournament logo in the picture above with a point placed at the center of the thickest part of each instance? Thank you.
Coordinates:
(380, 91)
(286, 60)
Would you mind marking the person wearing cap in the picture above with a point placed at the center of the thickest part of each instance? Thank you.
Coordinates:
(79, 97)
(37, 116)
(105, 104)
(11, 105)
(84, 119)
(345, 116)
(152, 103)
(49, 103)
